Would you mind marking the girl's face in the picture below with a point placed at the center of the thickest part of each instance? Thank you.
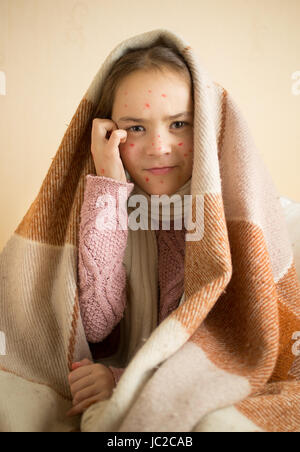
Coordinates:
(144, 105)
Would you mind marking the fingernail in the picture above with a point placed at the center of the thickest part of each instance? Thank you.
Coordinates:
(76, 364)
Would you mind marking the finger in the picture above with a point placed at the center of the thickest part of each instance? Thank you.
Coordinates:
(81, 407)
(75, 366)
(81, 384)
(80, 372)
(117, 136)
(85, 393)
(83, 362)
(101, 127)
(86, 361)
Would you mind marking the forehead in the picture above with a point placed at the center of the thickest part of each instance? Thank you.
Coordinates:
(154, 89)
(155, 79)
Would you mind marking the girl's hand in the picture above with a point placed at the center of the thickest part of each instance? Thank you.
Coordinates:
(105, 149)
(89, 383)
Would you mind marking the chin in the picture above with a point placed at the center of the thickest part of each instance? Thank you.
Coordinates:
(163, 191)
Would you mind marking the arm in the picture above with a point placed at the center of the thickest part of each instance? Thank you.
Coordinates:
(102, 277)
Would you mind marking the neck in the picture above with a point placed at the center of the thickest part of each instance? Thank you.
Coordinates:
(152, 207)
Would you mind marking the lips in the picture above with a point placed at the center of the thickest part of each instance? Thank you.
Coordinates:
(162, 170)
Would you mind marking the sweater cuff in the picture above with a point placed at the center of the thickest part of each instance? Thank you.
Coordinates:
(99, 186)
(106, 184)
(117, 373)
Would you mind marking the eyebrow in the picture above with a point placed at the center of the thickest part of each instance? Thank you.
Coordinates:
(129, 118)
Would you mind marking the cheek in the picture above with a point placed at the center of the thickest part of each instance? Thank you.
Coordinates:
(187, 156)
(128, 153)
(186, 149)
(127, 148)
(190, 161)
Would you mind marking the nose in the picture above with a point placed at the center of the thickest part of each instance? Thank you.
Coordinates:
(158, 146)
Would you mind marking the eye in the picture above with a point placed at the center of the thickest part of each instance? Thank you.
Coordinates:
(175, 122)
(179, 122)
(130, 128)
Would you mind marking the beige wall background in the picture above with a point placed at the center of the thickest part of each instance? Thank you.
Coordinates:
(50, 51)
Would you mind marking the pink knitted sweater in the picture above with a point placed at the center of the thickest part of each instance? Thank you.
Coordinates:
(101, 273)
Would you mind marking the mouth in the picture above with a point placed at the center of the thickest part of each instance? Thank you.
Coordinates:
(161, 170)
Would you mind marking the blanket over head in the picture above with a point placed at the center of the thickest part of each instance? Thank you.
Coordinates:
(224, 359)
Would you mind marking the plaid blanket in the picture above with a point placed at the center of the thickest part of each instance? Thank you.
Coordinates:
(226, 359)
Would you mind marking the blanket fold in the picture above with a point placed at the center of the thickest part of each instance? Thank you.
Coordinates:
(224, 359)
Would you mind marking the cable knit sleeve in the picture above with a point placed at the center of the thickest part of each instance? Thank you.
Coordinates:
(102, 243)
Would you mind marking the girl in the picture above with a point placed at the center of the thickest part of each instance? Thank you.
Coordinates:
(144, 130)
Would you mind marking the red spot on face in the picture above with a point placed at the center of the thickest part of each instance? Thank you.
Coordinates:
(158, 136)
(132, 145)
(161, 181)
(180, 144)
(185, 155)
(152, 144)
(191, 150)
(147, 105)
(149, 91)
(147, 179)
(102, 171)
(159, 148)
(164, 95)
(126, 92)
(125, 105)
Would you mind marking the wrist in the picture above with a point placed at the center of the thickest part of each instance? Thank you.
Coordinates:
(114, 383)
